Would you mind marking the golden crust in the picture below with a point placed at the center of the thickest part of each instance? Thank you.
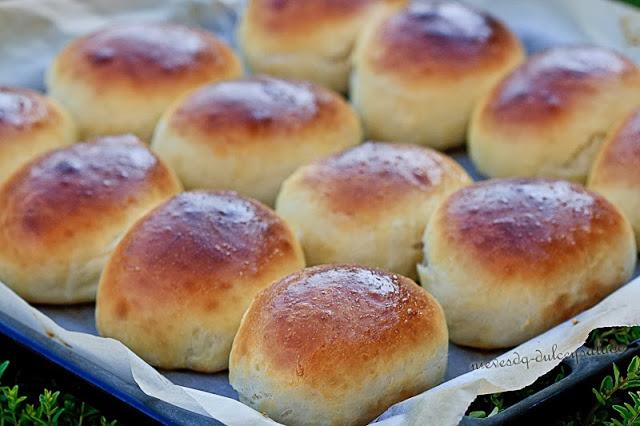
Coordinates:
(196, 248)
(23, 110)
(374, 176)
(549, 85)
(442, 39)
(507, 225)
(246, 111)
(177, 285)
(324, 322)
(284, 18)
(619, 158)
(73, 190)
(145, 57)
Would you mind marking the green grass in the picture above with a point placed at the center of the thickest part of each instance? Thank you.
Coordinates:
(615, 402)
(20, 406)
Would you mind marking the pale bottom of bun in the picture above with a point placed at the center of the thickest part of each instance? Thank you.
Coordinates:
(562, 147)
(626, 198)
(573, 166)
(110, 113)
(195, 346)
(248, 172)
(15, 155)
(287, 398)
(74, 280)
(433, 116)
(485, 313)
(391, 241)
(328, 71)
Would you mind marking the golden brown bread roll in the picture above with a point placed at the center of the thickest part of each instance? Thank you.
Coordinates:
(550, 115)
(30, 124)
(509, 259)
(418, 72)
(368, 205)
(306, 40)
(122, 78)
(62, 214)
(337, 345)
(249, 135)
(176, 287)
(616, 170)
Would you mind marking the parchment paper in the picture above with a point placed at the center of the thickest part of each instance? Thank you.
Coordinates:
(32, 31)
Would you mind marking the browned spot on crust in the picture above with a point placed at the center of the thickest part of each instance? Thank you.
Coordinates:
(122, 310)
(289, 16)
(256, 106)
(23, 109)
(510, 225)
(69, 191)
(620, 157)
(441, 37)
(145, 54)
(376, 174)
(195, 247)
(321, 321)
(548, 83)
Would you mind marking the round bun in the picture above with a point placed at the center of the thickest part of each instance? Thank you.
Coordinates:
(249, 135)
(549, 117)
(616, 170)
(30, 124)
(306, 40)
(175, 288)
(368, 205)
(122, 78)
(509, 259)
(62, 214)
(337, 345)
(419, 72)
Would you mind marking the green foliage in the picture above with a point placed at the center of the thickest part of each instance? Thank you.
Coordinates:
(51, 408)
(489, 405)
(607, 338)
(632, 2)
(617, 398)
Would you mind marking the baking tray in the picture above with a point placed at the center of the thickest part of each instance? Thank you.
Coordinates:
(81, 318)
(93, 383)
(146, 409)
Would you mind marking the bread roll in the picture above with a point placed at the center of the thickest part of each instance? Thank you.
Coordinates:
(368, 205)
(509, 259)
(616, 170)
(307, 40)
(419, 72)
(337, 345)
(176, 287)
(122, 78)
(30, 124)
(62, 214)
(549, 117)
(249, 135)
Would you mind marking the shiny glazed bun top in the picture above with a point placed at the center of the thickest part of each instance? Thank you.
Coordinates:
(248, 108)
(549, 84)
(442, 39)
(376, 177)
(505, 225)
(145, 55)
